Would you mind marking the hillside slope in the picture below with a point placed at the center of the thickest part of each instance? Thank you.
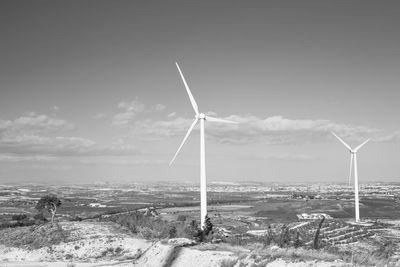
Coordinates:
(95, 244)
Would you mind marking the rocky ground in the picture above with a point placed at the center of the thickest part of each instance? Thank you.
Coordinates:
(98, 244)
(83, 244)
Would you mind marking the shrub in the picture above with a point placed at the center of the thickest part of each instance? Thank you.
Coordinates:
(172, 231)
(34, 237)
(19, 217)
(77, 218)
(40, 217)
(118, 250)
(181, 218)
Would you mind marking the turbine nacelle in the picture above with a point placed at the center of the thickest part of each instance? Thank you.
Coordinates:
(201, 116)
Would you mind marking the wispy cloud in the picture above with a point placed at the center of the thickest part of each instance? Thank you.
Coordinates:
(172, 114)
(19, 158)
(129, 111)
(121, 161)
(32, 123)
(284, 157)
(271, 130)
(42, 135)
(157, 107)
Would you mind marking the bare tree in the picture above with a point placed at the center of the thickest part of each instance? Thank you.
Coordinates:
(48, 203)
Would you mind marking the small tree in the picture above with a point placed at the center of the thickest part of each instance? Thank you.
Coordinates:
(48, 203)
(316, 237)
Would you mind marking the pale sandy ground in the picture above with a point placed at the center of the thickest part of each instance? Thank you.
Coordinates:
(94, 244)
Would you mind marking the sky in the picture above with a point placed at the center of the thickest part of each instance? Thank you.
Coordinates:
(89, 90)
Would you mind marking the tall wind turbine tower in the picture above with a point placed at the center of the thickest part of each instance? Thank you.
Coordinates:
(202, 118)
(353, 160)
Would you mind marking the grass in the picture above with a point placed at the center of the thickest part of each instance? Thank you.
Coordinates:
(377, 253)
(34, 237)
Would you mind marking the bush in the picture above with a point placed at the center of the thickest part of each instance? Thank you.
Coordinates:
(19, 217)
(77, 218)
(150, 227)
(34, 237)
(172, 231)
(147, 226)
(181, 218)
(40, 217)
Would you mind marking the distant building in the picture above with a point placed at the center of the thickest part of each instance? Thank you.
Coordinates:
(97, 205)
(313, 216)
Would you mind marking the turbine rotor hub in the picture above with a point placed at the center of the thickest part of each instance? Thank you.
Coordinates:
(201, 116)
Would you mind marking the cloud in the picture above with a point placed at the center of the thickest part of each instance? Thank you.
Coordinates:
(42, 135)
(157, 107)
(32, 123)
(388, 138)
(172, 114)
(271, 130)
(280, 130)
(129, 111)
(19, 158)
(155, 130)
(61, 146)
(122, 161)
(284, 157)
(56, 108)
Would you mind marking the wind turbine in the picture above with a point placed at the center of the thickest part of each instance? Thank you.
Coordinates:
(353, 160)
(202, 118)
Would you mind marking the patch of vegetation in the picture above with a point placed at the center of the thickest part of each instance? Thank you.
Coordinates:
(19, 217)
(34, 237)
(376, 255)
(150, 227)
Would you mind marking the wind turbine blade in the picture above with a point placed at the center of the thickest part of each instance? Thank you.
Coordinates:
(194, 104)
(208, 118)
(351, 167)
(357, 148)
(184, 140)
(346, 145)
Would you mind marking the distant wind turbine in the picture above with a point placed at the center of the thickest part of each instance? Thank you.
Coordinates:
(199, 117)
(353, 160)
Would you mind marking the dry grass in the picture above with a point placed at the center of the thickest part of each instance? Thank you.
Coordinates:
(257, 254)
(34, 237)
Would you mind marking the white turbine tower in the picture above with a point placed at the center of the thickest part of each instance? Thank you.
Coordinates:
(199, 117)
(353, 160)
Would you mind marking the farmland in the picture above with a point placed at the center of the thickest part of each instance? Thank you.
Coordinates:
(269, 202)
(242, 214)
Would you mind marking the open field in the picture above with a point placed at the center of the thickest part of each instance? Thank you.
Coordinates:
(285, 210)
(244, 218)
(263, 201)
